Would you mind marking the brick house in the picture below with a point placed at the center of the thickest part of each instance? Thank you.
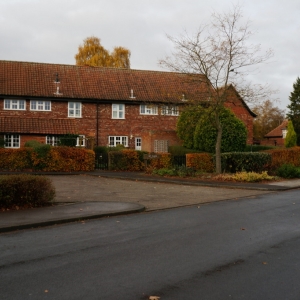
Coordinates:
(103, 106)
(276, 137)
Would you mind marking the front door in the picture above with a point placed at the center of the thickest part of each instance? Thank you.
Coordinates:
(138, 143)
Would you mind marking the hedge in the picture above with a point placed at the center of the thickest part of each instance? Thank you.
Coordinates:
(54, 159)
(245, 161)
(25, 191)
(200, 162)
(125, 160)
(284, 156)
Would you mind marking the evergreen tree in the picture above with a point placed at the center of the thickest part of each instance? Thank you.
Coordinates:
(291, 137)
(294, 109)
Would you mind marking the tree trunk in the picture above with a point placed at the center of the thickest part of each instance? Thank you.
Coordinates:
(218, 147)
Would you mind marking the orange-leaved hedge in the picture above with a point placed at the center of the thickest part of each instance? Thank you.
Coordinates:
(125, 160)
(200, 162)
(62, 159)
(284, 156)
(163, 161)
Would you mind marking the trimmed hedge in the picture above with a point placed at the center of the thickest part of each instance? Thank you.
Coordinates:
(245, 161)
(284, 156)
(54, 159)
(200, 162)
(25, 191)
(125, 160)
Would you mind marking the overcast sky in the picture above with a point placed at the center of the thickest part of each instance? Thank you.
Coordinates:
(51, 31)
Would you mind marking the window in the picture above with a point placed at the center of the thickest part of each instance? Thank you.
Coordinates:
(161, 146)
(12, 141)
(40, 105)
(74, 109)
(52, 140)
(118, 140)
(148, 110)
(118, 111)
(170, 110)
(80, 141)
(14, 104)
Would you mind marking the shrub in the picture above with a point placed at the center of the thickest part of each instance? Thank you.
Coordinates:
(284, 156)
(291, 137)
(165, 171)
(234, 133)
(257, 148)
(245, 161)
(252, 176)
(180, 150)
(25, 190)
(200, 161)
(125, 160)
(288, 171)
(68, 140)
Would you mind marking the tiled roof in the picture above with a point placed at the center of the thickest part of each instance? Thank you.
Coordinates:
(37, 125)
(277, 132)
(26, 79)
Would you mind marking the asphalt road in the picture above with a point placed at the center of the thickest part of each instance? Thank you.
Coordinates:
(245, 249)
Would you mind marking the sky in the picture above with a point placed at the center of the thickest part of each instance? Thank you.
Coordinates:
(50, 31)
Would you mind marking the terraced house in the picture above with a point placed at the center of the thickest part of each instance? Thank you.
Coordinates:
(103, 106)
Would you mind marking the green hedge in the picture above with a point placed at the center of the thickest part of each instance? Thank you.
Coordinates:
(25, 191)
(245, 161)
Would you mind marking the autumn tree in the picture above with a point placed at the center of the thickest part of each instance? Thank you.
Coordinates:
(294, 108)
(92, 53)
(220, 53)
(268, 118)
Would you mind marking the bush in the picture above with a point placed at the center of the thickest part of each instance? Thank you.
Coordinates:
(245, 161)
(285, 156)
(234, 133)
(200, 161)
(288, 171)
(180, 150)
(257, 148)
(125, 160)
(252, 176)
(25, 191)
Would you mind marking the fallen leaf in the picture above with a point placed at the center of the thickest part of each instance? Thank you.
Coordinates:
(80, 209)
(243, 228)
(264, 263)
(46, 291)
(154, 298)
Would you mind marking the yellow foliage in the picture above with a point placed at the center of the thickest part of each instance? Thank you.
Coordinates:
(92, 53)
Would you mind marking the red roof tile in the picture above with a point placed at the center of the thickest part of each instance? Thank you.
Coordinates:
(37, 125)
(277, 132)
(26, 79)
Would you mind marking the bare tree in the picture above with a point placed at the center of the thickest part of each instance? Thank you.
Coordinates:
(221, 53)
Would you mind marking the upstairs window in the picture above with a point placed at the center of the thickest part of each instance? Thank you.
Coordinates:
(148, 110)
(170, 110)
(40, 105)
(14, 104)
(74, 109)
(118, 111)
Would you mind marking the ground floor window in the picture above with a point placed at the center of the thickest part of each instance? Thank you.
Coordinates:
(161, 146)
(113, 141)
(80, 141)
(52, 140)
(12, 141)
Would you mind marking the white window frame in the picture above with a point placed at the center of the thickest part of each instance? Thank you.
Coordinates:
(114, 140)
(13, 104)
(169, 110)
(40, 105)
(74, 109)
(148, 109)
(118, 111)
(12, 140)
(80, 141)
(52, 140)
